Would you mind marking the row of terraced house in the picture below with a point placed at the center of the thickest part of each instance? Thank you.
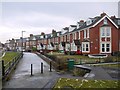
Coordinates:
(98, 35)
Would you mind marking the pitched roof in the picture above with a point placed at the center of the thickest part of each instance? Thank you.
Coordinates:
(96, 20)
(116, 20)
(66, 28)
(73, 25)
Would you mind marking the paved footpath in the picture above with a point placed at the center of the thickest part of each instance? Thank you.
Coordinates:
(21, 78)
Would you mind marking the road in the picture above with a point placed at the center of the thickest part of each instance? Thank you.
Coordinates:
(22, 78)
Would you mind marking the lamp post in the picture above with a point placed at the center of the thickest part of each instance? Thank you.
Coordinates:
(22, 40)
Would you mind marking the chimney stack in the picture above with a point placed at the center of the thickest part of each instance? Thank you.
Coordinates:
(31, 35)
(113, 17)
(81, 20)
(103, 14)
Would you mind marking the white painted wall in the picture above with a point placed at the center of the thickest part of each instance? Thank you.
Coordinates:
(71, 28)
(50, 47)
(67, 47)
(73, 46)
(60, 47)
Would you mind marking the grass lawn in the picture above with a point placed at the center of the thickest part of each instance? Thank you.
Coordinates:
(77, 83)
(79, 58)
(9, 56)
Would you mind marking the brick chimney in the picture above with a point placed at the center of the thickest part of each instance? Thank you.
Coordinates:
(31, 35)
(113, 17)
(42, 33)
(81, 20)
(103, 14)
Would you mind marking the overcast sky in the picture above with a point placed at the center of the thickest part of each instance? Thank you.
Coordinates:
(37, 17)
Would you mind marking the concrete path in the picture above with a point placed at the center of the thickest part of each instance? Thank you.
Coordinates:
(21, 77)
(99, 73)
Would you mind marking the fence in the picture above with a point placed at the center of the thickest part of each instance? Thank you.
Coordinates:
(7, 68)
(0, 74)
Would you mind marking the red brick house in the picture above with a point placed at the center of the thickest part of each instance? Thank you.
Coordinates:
(99, 35)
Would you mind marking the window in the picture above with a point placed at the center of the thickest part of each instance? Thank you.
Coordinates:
(105, 48)
(102, 32)
(105, 21)
(105, 32)
(88, 33)
(84, 33)
(118, 22)
(85, 47)
(79, 35)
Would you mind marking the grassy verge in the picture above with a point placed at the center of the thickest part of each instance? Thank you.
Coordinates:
(9, 56)
(109, 65)
(77, 83)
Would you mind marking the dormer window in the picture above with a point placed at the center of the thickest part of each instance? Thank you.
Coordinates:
(105, 21)
(88, 22)
(118, 22)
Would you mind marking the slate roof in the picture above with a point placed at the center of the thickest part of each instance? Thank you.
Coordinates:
(20, 40)
(73, 25)
(66, 28)
(96, 19)
(116, 21)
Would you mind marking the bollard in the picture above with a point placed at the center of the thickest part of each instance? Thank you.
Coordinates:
(31, 70)
(50, 66)
(3, 68)
(41, 67)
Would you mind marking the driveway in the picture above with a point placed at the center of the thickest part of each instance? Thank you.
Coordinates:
(22, 78)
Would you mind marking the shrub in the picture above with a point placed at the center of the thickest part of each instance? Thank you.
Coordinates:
(79, 72)
(108, 59)
(61, 64)
(34, 49)
(117, 53)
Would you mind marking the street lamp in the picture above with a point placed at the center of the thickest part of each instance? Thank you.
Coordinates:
(22, 40)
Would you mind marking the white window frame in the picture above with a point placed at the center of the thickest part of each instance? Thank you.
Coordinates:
(85, 34)
(84, 47)
(88, 33)
(118, 22)
(105, 47)
(105, 31)
(105, 21)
